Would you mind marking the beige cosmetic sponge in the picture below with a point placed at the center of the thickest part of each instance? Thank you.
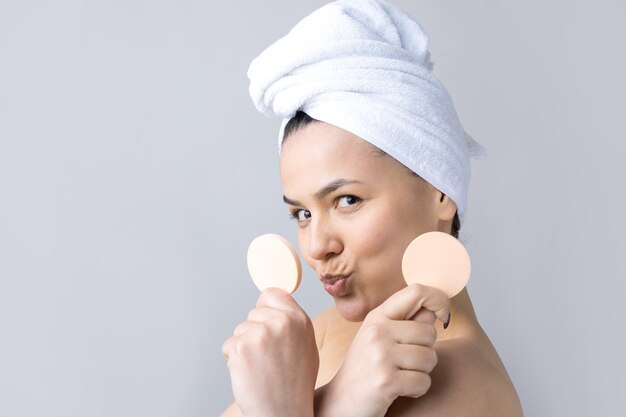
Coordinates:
(273, 262)
(438, 260)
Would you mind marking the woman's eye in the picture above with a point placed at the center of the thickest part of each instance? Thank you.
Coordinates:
(347, 200)
(301, 215)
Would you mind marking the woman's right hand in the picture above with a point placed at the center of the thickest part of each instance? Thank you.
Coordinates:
(390, 356)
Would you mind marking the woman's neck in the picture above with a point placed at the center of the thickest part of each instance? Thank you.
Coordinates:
(462, 318)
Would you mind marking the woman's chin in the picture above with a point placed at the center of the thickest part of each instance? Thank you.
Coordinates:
(352, 309)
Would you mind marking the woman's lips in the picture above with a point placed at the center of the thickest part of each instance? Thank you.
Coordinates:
(336, 286)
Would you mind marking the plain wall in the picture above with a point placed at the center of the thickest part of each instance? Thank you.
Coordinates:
(135, 170)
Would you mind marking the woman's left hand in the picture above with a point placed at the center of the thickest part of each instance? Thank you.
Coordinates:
(272, 358)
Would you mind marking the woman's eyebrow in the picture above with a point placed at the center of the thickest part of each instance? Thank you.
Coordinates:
(324, 191)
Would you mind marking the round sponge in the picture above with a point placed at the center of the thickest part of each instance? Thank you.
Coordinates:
(438, 260)
(273, 262)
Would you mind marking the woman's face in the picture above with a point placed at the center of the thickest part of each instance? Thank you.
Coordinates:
(356, 212)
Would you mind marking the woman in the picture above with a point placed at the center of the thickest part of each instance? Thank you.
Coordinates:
(372, 155)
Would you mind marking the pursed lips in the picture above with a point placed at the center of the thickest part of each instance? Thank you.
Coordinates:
(329, 278)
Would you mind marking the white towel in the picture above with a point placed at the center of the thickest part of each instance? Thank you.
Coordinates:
(364, 66)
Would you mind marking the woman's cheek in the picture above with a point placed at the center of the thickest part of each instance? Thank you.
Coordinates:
(373, 237)
(378, 248)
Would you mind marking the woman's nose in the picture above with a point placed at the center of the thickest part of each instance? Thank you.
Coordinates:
(324, 241)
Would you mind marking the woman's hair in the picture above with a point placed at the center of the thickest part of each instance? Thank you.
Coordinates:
(301, 119)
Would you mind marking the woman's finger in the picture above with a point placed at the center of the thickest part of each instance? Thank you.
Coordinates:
(424, 316)
(405, 303)
(264, 314)
(412, 332)
(245, 327)
(414, 358)
(412, 384)
(276, 298)
(227, 348)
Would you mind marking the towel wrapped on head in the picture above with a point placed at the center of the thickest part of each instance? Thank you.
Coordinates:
(364, 66)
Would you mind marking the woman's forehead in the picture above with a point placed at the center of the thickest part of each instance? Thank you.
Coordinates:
(321, 153)
(321, 146)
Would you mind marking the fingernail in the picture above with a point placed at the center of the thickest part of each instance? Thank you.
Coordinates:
(445, 325)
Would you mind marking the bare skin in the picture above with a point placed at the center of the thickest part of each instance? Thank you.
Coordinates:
(356, 212)
(469, 379)
(469, 370)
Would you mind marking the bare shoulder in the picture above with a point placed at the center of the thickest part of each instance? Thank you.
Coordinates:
(469, 380)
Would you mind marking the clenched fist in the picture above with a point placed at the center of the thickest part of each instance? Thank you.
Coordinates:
(272, 359)
(391, 355)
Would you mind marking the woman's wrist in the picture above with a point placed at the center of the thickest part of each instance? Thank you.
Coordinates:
(301, 412)
(331, 401)
(327, 402)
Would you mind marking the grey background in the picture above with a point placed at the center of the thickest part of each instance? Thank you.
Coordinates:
(134, 171)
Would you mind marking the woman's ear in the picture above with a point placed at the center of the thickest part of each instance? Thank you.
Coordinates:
(446, 208)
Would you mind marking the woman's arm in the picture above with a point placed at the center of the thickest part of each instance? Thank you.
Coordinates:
(320, 323)
(466, 381)
(234, 411)
(272, 359)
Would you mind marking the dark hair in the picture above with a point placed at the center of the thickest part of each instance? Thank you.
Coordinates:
(297, 122)
(301, 119)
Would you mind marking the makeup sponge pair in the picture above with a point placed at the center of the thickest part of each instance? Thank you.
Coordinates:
(435, 259)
